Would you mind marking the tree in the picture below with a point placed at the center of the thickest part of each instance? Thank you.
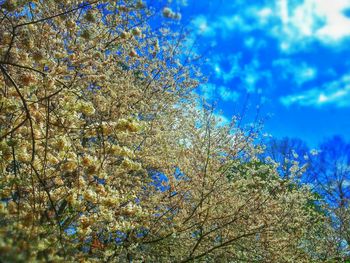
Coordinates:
(88, 96)
(288, 152)
(94, 101)
(329, 173)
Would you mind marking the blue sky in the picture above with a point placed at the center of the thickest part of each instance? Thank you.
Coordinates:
(289, 57)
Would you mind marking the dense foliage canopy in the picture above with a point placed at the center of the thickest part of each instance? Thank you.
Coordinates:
(107, 156)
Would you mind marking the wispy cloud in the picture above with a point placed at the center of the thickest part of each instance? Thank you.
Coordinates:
(228, 95)
(235, 69)
(283, 53)
(201, 24)
(336, 93)
(208, 91)
(294, 25)
(211, 93)
(300, 72)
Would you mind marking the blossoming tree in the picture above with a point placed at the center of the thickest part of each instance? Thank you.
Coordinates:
(93, 103)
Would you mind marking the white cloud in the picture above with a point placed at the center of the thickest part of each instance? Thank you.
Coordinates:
(200, 23)
(283, 6)
(321, 20)
(305, 74)
(247, 75)
(300, 72)
(337, 23)
(228, 95)
(294, 25)
(211, 92)
(217, 69)
(250, 80)
(208, 91)
(223, 25)
(234, 71)
(335, 93)
(265, 13)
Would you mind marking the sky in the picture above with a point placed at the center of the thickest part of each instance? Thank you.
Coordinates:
(287, 58)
